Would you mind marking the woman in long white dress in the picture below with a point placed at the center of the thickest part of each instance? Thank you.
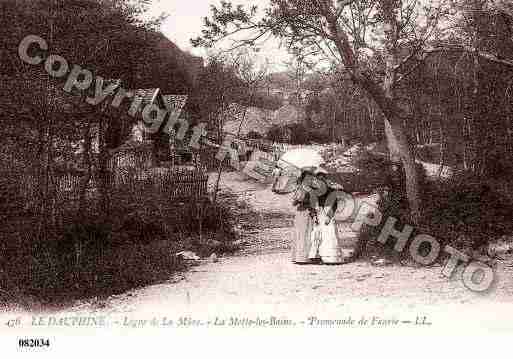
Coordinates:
(288, 180)
(325, 242)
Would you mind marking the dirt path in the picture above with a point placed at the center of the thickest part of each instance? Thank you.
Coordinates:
(261, 279)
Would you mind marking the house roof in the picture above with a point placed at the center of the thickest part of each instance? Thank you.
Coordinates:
(171, 103)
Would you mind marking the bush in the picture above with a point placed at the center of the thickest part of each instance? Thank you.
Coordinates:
(254, 135)
(321, 136)
(275, 133)
(89, 256)
(498, 165)
(464, 213)
(393, 202)
(269, 102)
(298, 134)
(467, 212)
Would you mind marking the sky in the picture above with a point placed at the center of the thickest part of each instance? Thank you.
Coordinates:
(185, 21)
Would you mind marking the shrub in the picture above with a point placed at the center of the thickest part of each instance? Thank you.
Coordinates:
(298, 134)
(498, 165)
(467, 211)
(89, 256)
(393, 202)
(275, 133)
(319, 136)
(254, 135)
(464, 213)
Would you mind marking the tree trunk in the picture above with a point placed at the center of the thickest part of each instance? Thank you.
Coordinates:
(399, 146)
(333, 124)
(397, 139)
(88, 164)
(442, 149)
(103, 170)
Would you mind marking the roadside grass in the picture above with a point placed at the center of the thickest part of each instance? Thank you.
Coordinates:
(87, 256)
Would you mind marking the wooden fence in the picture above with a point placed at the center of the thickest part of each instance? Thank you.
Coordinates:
(245, 149)
(174, 183)
(132, 172)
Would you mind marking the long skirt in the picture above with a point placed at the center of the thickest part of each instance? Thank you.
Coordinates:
(302, 238)
(325, 242)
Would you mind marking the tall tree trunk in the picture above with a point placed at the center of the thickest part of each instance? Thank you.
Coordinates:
(372, 120)
(399, 144)
(103, 170)
(442, 149)
(334, 125)
(46, 144)
(220, 139)
(477, 136)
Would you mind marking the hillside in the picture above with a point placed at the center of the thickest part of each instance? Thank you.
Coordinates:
(285, 80)
(259, 120)
(178, 71)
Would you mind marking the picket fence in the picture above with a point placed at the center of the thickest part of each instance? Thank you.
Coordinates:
(133, 171)
(126, 173)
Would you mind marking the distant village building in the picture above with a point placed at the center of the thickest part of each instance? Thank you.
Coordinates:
(254, 119)
(247, 119)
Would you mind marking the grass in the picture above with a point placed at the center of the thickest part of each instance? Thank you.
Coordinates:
(87, 256)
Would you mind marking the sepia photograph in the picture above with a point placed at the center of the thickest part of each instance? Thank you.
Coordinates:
(184, 172)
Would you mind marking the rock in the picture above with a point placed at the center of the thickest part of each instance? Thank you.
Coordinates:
(213, 258)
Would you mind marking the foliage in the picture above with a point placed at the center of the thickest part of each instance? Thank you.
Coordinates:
(96, 244)
(275, 133)
(254, 135)
(378, 45)
(268, 102)
(462, 212)
(298, 134)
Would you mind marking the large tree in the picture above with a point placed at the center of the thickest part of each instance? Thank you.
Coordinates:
(368, 41)
(107, 37)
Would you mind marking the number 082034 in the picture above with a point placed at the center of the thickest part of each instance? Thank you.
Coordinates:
(33, 343)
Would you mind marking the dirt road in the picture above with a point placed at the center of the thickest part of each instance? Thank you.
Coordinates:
(261, 279)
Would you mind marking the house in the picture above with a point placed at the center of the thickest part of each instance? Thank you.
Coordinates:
(163, 143)
(148, 97)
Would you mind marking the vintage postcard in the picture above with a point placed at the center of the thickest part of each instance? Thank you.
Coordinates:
(185, 172)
